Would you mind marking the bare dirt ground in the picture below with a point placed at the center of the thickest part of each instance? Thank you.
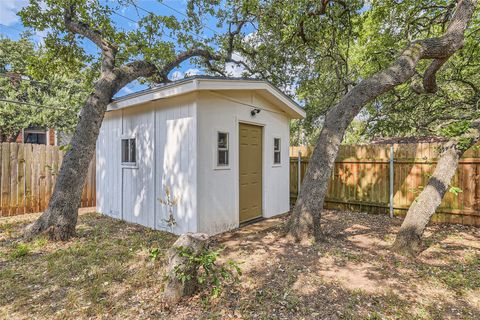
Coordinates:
(105, 272)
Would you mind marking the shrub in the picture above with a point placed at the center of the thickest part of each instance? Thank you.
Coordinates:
(210, 273)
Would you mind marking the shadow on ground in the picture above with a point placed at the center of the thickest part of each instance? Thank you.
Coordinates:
(106, 272)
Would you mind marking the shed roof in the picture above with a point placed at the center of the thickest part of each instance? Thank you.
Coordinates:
(210, 83)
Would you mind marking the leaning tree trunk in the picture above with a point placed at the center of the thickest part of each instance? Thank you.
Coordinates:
(60, 218)
(409, 239)
(304, 224)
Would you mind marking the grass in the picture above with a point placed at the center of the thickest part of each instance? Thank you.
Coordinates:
(80, 278)
(113, 269)
(459, 275)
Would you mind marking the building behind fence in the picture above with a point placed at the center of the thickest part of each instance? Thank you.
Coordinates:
(27, 176)
(362, 180)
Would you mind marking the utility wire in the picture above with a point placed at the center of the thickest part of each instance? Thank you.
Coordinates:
(127, 18)
(13, 28)
(18, 30)
(45, 84)
(36, 105)
(183, 14)
(136, 22)
(192, 34)
(244, 103)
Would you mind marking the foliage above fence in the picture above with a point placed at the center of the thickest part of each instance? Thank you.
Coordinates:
(27, 176)
(361, 180)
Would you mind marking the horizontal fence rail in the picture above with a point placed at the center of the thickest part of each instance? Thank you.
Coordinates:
(362, 180)
(27, 176)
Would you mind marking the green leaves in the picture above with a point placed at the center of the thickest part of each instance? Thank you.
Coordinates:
(447, 112)
(455, 129)
(151, 36)
(153, 253)
(65, 148)
(20, 250)
(455, 190)
(211, 275)
(323, 55)
(44, 91)
(458, 130)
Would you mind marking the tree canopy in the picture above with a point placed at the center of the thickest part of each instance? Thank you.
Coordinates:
(320, 50)
(316, 51)
(35, 95)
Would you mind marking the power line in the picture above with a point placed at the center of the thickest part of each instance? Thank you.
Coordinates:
(16, 29)
(183, 14)
(9, 36)
(6, 75)
(192, 34)
(244, 103)
(136, 22)
(166, 35)
(45, 84)
(125, 17)
(13, 28)
(36, 105)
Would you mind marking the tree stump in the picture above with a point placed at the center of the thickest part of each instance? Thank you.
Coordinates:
(175, 288)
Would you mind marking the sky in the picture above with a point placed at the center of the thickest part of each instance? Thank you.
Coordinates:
(11, 27)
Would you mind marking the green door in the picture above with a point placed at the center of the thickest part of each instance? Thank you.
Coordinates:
(250, 170)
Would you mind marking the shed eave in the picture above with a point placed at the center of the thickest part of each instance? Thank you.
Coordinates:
(185, 86)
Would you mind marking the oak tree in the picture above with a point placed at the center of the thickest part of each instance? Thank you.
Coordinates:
(147, 53)
(338, 55)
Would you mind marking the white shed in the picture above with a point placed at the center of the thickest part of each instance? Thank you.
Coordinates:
(220, 145)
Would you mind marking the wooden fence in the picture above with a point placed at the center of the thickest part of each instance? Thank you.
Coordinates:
(361, 181)
(27, 175)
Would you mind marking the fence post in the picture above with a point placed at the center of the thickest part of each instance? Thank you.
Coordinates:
(391, 181)
(299, 172)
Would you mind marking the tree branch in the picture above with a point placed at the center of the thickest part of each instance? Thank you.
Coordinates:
(440, 49)
(429, 77)
(190, 53)
(141, 68)
(109, 50)
(232, 35)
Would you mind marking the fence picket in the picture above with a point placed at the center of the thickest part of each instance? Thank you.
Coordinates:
(35, 178)
(48, 173)
(27, 178)
(21, 179)
(42, 193)
(360, 180)
(5, 178)
(13, 179)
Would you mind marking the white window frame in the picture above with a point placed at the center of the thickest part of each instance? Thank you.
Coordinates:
(25, 132)
(275, 164)
(129, 164)
(217, 165)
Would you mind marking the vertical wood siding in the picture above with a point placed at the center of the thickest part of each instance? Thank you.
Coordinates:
(165, 133)
(27, 176)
